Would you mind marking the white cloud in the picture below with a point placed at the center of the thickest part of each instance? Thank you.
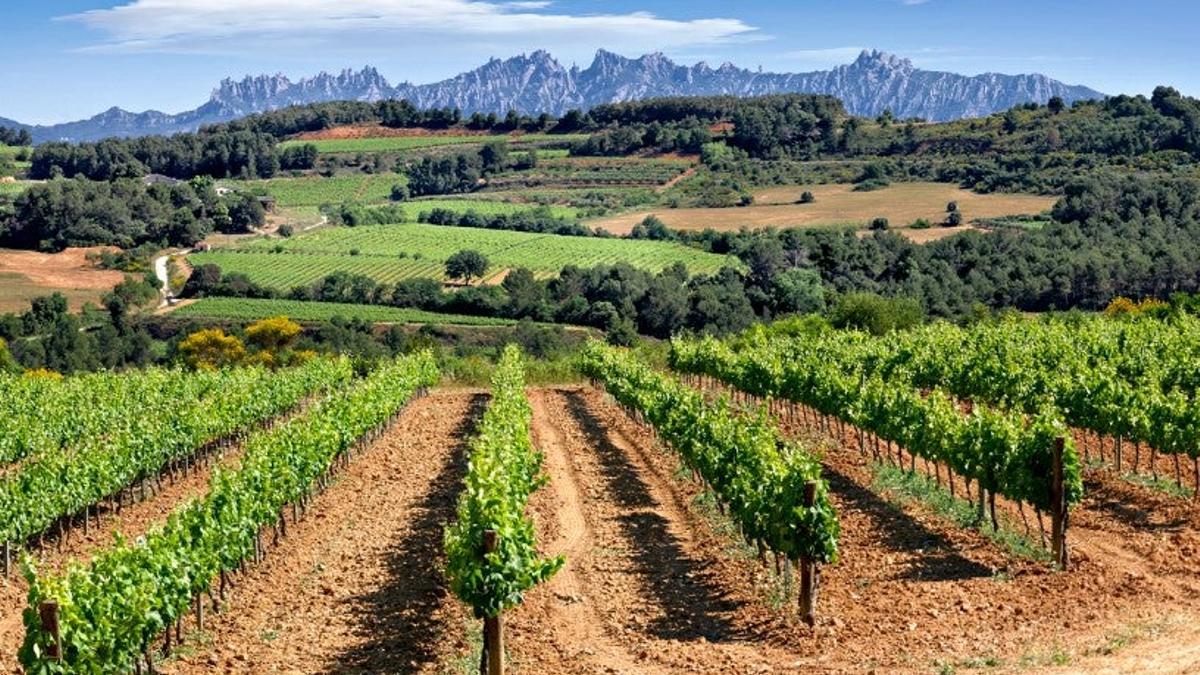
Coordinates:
(232, 26)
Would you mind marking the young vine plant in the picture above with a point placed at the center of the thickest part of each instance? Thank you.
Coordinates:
(504, 469)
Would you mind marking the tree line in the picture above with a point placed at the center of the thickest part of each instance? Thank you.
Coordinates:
(15, 137)
(125, 213)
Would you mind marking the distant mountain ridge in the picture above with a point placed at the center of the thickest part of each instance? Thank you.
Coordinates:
(537, 82)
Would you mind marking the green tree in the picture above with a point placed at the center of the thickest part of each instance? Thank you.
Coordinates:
(466, 265)
(798, 291)
(875, 314)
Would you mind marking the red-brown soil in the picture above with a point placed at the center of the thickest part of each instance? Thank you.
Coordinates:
(133, 520)
(357, 585)
(378, 131)
(654, 583)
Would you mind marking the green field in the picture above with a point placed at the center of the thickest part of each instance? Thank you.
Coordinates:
(317, 190)
(402, 143)
(483, 207)
(247, 309)
(306, 259)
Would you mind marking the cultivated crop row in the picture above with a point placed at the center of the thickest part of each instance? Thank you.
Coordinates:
(771, 488)
(491, 549)
(538, 252)
(104, 616)
(1128, 380)
(402, 143)
(155, 432)
(253, 309)
(318, 190)
(39, 415)
(1027, 459)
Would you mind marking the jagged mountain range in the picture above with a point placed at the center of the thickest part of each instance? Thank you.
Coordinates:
(537, 82)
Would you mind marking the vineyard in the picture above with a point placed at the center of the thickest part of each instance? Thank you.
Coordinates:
(252, 309)
(483, 207)
(103, 617)
(771, 499)
(491, 550)
(317, 190)
(12, 188)
(76, 466)
(390, 253)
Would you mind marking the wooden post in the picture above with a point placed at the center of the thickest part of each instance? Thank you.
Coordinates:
(8, 556)
(809, 579)
(982, 514)
(1058, 507)
(48, 613)
(199, 612)
(492, 660)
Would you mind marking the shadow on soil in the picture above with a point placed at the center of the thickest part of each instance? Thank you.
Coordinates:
(1130, 506)
(692, 602)
(401, 616)
(901, 532)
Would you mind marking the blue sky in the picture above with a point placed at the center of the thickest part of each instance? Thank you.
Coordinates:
(70, 59)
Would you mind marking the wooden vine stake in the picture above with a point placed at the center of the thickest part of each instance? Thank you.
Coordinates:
(809, 577)
(492, 661)
(1058, 507)
(8, 558)
(48, 613)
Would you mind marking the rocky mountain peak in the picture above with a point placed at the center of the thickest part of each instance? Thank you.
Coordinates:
(876, 60)
(537, 82)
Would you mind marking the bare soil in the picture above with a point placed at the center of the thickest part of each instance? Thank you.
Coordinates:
(379, 131)
(357, 586)
(25, 275)
(839, 205)
(654, 583)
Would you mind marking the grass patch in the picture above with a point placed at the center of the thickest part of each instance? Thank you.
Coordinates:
(902, 487)
(1126, 636)
(253, 309)
(1160, 484)
(779, 590)
(468, 663)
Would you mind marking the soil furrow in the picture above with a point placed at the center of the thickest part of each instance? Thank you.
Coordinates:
(357, 586)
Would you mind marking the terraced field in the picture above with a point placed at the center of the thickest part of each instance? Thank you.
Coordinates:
(249, 309)
(317, 190)
(376, 252)
(403, 143)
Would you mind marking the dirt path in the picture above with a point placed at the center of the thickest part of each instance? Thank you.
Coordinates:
(557, 623)
(357, 586)
(647, 589)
